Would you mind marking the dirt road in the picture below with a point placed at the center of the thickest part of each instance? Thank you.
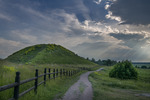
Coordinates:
(81, 90)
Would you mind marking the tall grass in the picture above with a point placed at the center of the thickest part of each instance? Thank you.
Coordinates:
(106, 88)
(53, 89)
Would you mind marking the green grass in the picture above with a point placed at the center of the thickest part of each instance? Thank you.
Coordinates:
(46, 54)
(53, 89)
(39, 57)
(106, 88)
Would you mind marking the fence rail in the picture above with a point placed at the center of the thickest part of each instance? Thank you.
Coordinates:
(56, 73)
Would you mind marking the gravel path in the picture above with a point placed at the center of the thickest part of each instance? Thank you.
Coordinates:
(81, 90)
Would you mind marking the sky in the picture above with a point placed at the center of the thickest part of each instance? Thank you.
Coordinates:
(100, 29)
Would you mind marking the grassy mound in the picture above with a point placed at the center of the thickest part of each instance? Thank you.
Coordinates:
(46, 54)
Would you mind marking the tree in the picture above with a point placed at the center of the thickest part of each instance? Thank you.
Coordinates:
(108, 62)
(124, 70)
(87, 58)
(99, 62)
(144, 67)
(93, 60)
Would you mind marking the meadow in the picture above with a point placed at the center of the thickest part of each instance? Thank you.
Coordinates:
(106, 88)
(53, 88)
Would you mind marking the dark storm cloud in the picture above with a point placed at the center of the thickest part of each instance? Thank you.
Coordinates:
(134, 41)
(94, 46)
(132, 11)
(122, 36)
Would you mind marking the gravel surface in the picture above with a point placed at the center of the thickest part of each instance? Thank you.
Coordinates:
(81, 90)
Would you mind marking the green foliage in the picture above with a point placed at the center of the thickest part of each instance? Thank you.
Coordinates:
(107, 62)
(108, 88)
(124, 70)
(29, 50)
(46, 54)
(144, 67)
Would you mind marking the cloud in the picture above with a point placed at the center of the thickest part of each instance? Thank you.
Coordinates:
(107, 5)
(102, 50)
(132, 11)
(79, 25)
(5, 17)
(127, 37)
(110, 16)
(138, 44)
(57, 27)
(97, 1)
(8, 47)
(24, 36)
(134, 41)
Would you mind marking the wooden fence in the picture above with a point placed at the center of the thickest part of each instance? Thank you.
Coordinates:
(56, 73)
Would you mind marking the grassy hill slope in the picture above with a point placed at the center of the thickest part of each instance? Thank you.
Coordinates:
(46, 54)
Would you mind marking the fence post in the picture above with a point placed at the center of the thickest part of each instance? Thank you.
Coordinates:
(60, 72)
(73, 72)
(45, 76)
(54, 73)
(64, 72)
(49, 70)
(36, 81)
(69, 72)
(16, 88)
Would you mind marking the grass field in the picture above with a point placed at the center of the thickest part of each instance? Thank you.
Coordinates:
(106, 88)
(53, 89)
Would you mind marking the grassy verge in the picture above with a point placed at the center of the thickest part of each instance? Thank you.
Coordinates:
(106, 88)
(53, 88)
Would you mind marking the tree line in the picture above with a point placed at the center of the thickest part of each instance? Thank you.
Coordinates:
(107, 62)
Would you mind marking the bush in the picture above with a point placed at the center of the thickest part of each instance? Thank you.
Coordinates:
(124, 70)
(144, 67)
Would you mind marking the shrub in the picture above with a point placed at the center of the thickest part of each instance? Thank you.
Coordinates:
(144, 67)
(124, 70)
(136, 66)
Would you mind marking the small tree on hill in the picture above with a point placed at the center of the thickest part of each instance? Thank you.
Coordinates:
(93, 60)
(124, 70)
